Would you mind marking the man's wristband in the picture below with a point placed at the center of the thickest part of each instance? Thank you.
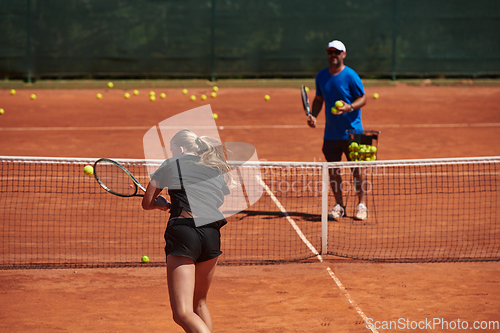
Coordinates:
(352, 109)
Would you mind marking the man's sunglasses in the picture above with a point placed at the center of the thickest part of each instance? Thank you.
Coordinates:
(336, 52)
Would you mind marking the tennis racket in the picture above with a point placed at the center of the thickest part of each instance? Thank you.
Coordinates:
(305, 102)
(116, 179)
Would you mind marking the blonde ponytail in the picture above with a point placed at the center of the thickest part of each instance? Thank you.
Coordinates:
(211, 151)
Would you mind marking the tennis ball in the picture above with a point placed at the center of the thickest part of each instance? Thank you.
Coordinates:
(99, 96)
(213, 95)
(334, 110)
(215, 88)
(145, 259)
(12, 91)
(163, 95)
(88, 170)
(136, 92)
(203, 97)
(2, 111)
(33, 96)
(152, 93)
(152, 98)
(306, 89)
(267, 97)
(375, 95)
(184, 91)
(339, 104)
(193, 97)
(127, 95)
(215, 116)
(110, 84)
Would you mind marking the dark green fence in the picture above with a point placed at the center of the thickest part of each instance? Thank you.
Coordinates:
(246, 38)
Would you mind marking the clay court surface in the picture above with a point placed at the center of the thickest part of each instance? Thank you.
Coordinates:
(331, 296)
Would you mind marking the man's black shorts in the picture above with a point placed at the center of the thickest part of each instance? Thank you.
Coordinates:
(333, 150)
(184, 239)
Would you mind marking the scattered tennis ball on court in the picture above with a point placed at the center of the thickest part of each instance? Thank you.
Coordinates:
(215, 116)
(215, 88)
(267, 97)
(204, 97)
(110, 84)
(88, 170)
(213, 94)
(376, 96)
(152, 98)
(13, 91)
(339, 104)
(2, 111)
(184, 91)
(99, 95)
(306, 89)
(127, 95)
(163, 95)
(152, 93)
(33, 96)
(145, 259)
(193, 97)
(136, 92)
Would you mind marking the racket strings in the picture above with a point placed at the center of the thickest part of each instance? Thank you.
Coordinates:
(115, 179)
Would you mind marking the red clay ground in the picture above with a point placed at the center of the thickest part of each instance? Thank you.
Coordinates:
(416, 122)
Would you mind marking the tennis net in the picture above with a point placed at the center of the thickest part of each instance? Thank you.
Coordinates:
(419, 211)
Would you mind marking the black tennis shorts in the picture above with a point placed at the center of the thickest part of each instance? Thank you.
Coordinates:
(333, 150)
(184, 239)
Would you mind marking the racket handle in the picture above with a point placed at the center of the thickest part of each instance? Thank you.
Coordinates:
(162, 203)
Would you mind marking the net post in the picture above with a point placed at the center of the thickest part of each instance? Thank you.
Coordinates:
(324, 207)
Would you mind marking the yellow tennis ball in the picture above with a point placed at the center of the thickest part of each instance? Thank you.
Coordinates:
(375, 95)
(215, 116)
(152, 93)
(127, 95)
(110, 84)
(306, 89)
(145, 259)
(334, 109)
(2, 111)
(88, 170)
(213, 95)
(136, 92)
(215, 88)
(193, 97)
(267, 97)
(99, 96)
(339, 104)
(184, 91)
(152, 98)
(163, 95)
(12, 91)
(33, 96)
(203, 97)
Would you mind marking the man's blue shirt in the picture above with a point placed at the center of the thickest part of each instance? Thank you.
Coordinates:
(346, 86)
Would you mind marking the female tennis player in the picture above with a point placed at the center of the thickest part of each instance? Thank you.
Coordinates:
(197, 178)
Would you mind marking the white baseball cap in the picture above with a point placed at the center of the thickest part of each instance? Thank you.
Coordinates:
(336, 44)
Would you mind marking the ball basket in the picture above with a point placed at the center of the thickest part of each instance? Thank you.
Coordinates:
(363, 145)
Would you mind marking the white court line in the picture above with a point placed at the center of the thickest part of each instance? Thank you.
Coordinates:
(315, 252)
(237, 127)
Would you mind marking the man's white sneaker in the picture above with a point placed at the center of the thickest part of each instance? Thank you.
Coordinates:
(361, 212)
(337, 211)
